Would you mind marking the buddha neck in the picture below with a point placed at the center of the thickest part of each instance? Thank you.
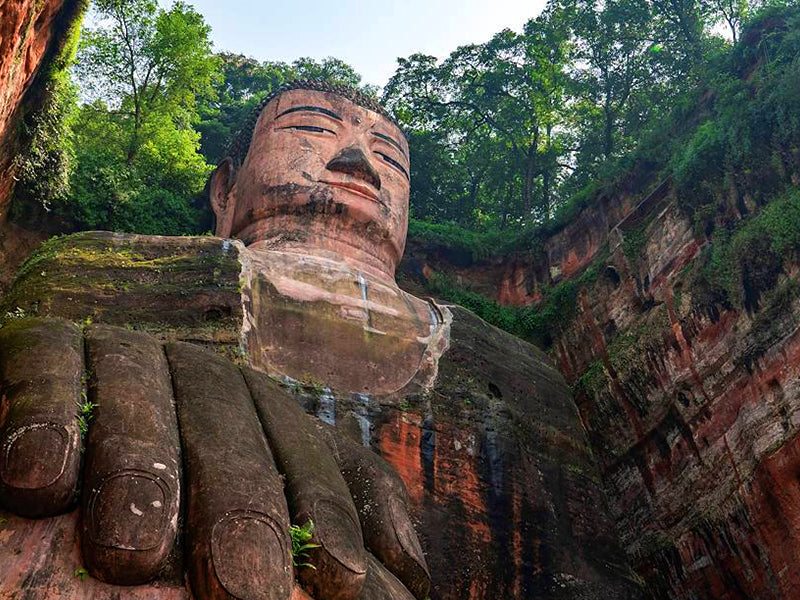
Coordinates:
(326, 240)
(336, 323)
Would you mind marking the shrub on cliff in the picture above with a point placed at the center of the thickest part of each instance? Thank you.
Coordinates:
(747, 144)
(745, 260)
(44, 163)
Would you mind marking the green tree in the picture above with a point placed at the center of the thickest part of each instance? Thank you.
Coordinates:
(731, 12)
(142, 60)
(681, 25)
(142, 70)
(244, 82)
(501, 103)
(328, 69)
(617, 62)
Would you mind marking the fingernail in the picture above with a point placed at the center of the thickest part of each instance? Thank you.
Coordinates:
(129, 511)
(340, 535)
(405, 531)
(34, 456)
(414, 573)
(251, 560)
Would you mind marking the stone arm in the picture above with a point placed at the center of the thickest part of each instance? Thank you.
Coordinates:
(182, 449)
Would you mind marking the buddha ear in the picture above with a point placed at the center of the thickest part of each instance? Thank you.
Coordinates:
(223, 197)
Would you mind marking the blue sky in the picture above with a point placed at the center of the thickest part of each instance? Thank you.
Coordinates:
(368, 35)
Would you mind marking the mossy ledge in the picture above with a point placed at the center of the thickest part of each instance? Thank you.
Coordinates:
(177, 287)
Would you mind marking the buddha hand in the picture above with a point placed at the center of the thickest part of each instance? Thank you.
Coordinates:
(177, 439)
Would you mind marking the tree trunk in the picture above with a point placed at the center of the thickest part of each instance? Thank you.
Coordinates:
(608, 126)
(133, 148)
(530, 176)
(547, 174)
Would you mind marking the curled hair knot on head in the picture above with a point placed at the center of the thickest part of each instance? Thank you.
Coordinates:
(240, 145)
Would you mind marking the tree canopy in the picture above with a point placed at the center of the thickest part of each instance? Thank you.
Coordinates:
(508, 134)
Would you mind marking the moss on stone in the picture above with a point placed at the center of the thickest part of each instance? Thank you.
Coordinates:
(185, 285)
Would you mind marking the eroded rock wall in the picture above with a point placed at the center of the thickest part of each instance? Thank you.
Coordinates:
(32, 33)
(692, 408)
(690, 398)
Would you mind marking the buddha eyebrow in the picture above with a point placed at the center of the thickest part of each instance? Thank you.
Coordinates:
(316, 109)
(386, 138)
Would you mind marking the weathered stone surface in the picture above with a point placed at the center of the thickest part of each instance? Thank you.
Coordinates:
(26, 33)
(502, 484)
(691, 410)
(315, 491)
(173, 287)
(41, 366)
(501, 477)
(519, 278)
(40, 558)
(128, 374)
(382, 503)
(52, 574)
(382, 585)
(237, 532)
(318, 320)
(131, 486)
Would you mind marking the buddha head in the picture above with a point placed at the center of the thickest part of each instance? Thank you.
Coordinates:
(320, 170)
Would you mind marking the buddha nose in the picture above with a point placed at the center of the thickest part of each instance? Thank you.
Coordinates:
(353, 162)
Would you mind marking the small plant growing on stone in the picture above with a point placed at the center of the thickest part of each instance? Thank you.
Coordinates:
(85, 414)
(301, 544)
(313, 385)
(81, 573)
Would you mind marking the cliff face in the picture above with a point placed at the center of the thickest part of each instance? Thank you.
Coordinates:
(692, 410)
(682, 349)
(691, 403)
(33, 35)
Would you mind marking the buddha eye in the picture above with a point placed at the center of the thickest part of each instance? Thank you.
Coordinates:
(311, 128)
(394, 163)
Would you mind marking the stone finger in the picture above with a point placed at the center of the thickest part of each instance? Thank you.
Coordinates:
(381, 499)
(237, 522)
(382, 585)
(41, 364)
(315, 492)
(131, 487)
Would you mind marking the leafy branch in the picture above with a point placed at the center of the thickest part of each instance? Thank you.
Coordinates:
(302, 544)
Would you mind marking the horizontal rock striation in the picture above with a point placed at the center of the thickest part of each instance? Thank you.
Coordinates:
(691, 405)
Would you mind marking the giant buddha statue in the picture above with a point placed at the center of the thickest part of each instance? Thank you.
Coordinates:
(194, 397)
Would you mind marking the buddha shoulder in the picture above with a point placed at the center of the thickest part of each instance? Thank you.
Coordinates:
(122, 279)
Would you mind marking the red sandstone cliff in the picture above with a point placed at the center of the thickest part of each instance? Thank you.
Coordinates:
(32, 34)
(691, 399)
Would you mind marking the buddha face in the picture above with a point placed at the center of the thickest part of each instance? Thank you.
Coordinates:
(323, 176)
